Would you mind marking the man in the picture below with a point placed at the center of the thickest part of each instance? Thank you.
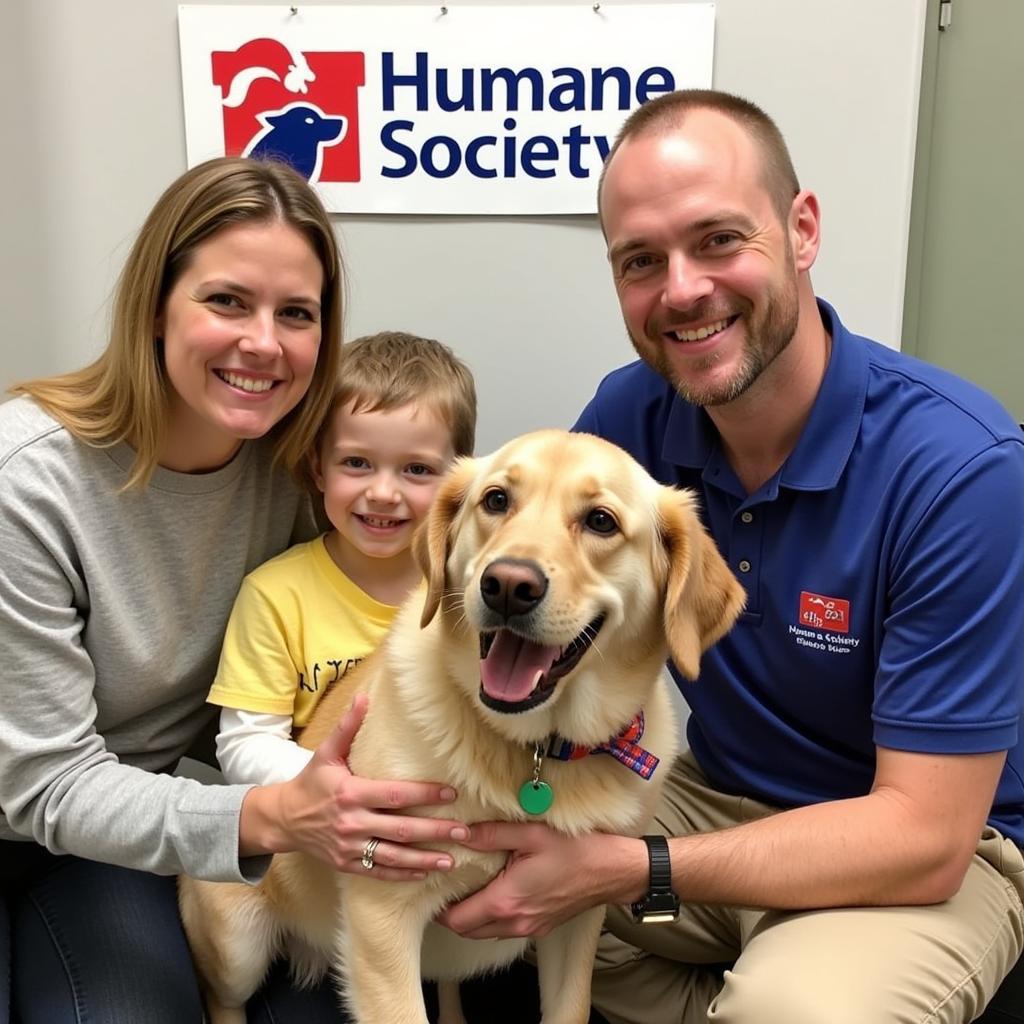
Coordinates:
(846, 827)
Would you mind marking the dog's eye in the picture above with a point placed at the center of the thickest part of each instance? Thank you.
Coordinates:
(495, 500)
(600, 520)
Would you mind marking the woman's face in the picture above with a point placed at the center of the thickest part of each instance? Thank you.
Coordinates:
(241, 331)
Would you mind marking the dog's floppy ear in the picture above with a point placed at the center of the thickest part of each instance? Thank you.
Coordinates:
(431, 541)
(702, 597)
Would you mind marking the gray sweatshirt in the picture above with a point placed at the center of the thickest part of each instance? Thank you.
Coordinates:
(112, 610)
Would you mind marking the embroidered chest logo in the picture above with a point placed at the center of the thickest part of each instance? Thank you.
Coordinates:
(820, 612)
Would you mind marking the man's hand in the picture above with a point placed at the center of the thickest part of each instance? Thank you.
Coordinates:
(548, 878)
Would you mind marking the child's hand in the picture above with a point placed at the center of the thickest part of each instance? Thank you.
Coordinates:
(333, 815)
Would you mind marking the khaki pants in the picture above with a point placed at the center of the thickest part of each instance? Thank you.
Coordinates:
(878, 965)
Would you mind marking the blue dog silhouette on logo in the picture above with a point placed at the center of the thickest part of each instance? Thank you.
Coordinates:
(296, 135)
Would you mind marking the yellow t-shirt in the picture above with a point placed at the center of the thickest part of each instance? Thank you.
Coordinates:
(298, 625)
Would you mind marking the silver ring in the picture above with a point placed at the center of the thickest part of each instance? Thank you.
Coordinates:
(367, 859)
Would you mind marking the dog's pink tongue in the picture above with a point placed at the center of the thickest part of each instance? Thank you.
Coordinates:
(513, 666)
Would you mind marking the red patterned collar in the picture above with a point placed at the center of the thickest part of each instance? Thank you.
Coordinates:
(624, 748)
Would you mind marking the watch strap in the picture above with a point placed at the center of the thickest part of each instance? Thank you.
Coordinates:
(660, 904)
(661, 864)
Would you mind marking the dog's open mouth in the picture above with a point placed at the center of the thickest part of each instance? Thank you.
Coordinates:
(517, 674)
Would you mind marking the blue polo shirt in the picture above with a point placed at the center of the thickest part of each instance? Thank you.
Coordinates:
(884, 571)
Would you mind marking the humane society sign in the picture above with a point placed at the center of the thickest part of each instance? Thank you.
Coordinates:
(431, 109)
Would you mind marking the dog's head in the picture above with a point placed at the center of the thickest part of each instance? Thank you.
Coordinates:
(566, 573)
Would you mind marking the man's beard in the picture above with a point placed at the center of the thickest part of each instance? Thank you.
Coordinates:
(763, 340)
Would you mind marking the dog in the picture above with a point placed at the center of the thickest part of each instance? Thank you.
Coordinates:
(297, 135)
(558, 576)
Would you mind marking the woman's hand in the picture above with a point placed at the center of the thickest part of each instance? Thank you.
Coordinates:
(331, 814)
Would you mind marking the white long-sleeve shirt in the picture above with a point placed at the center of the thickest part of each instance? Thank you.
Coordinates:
(257, 748)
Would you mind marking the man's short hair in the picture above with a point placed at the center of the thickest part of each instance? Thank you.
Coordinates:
(669, 111)
(391, 369)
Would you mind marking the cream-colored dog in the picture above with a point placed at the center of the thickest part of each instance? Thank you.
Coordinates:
(558, 577)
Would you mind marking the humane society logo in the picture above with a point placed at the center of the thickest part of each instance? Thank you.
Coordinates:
(299, 107)
(303, 107)
(821, 612)
(824, 624)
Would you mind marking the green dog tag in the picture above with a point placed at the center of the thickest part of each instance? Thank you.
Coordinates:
(535, 797)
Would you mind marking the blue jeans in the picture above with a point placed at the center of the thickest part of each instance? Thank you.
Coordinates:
(89, 943)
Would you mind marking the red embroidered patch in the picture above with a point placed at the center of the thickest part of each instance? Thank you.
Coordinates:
(820, 612)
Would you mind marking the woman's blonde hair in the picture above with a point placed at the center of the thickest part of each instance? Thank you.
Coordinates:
(124, 394)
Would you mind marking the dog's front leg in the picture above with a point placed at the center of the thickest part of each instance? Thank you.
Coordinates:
(449, 1003)
(380, 945)
(565, 960)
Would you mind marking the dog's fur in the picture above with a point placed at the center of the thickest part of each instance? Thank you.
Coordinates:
(553, 536)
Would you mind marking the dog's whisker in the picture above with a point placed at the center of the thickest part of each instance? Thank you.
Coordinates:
(457, 603)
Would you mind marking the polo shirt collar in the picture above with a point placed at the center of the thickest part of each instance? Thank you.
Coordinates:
(828, 437)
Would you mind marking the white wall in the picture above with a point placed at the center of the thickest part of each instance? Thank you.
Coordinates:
(98, 132)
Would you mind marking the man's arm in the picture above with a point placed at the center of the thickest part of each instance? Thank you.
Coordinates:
(908, 841)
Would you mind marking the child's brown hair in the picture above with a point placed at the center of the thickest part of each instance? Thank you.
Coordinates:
(391, 369)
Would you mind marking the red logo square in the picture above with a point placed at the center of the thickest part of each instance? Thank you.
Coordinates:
(821, 612)
(299, 107)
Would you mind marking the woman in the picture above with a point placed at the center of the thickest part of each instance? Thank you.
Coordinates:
(134, 496)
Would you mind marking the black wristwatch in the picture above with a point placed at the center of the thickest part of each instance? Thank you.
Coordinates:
(660, 904)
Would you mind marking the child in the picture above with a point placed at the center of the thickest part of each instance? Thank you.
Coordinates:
(405, 408)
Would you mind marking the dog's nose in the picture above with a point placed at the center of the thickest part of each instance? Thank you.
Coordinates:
(512, 586)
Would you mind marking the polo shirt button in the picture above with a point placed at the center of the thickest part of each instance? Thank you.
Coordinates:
(747, 517)
(744, 566)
